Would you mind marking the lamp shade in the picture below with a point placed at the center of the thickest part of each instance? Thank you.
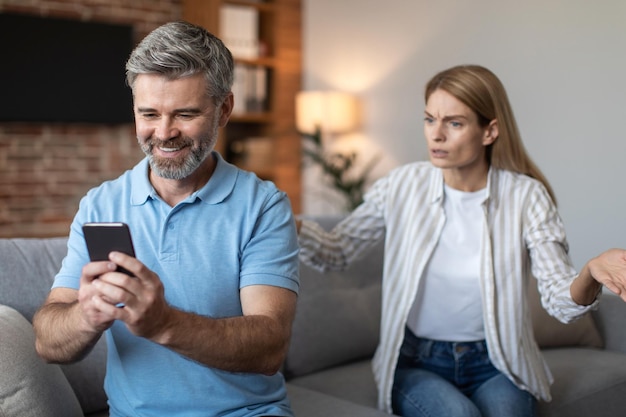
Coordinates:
(333, 112)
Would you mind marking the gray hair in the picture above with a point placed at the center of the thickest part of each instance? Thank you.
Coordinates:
(180, 49)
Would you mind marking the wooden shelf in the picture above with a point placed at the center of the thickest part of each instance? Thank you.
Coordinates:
(280, 32)
(263, 6)
(267, 62)
(252, 118)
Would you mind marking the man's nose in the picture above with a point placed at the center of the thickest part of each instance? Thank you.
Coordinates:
(166, 129)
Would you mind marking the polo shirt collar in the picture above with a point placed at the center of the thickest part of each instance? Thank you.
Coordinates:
(221, 184)
(216, 190)
(141, 189)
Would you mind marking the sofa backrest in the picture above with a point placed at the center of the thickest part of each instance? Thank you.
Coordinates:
(27, 269)
(338, 313)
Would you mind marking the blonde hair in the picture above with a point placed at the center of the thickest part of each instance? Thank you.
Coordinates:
(480, 90)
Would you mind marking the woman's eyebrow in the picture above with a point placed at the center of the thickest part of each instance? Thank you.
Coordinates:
(452, 116)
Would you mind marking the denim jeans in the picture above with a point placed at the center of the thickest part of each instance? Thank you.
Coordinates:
(454, 379)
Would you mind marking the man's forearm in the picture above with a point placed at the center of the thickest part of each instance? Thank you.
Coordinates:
(239, 344)
(59, 338)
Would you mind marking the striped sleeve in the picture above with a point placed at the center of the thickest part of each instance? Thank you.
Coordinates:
(551, 263)
(336, 249)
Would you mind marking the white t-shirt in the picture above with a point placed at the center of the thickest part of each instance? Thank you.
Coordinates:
(448, 305)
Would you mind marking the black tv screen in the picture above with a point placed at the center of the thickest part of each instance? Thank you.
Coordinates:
(57, 70)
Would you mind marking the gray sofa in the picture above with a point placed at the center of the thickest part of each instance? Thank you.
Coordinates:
(328, 366)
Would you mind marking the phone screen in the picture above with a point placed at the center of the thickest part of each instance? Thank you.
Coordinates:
(103, 238)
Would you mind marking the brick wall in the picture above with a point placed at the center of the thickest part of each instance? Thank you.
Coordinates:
(46, 168)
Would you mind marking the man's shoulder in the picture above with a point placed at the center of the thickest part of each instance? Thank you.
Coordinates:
(114, 185)
(116, 190)
(251, 183)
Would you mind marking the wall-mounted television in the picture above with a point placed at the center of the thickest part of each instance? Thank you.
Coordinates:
(58, 70)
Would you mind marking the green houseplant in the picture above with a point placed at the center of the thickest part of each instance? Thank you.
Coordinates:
(339, 169)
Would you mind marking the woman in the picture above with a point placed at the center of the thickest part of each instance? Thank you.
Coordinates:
(463, 235)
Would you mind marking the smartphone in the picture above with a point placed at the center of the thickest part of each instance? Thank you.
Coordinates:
(103, 238)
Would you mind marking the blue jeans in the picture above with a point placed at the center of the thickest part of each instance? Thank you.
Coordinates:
(454, 379)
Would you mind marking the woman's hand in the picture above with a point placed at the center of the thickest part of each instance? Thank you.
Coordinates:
(609, 269)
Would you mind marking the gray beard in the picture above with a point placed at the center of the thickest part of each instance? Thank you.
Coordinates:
(173, 171)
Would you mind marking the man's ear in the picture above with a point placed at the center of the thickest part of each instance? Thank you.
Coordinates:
(491, 132)
(226, 108)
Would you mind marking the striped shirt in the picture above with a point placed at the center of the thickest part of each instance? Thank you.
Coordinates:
(523, 236)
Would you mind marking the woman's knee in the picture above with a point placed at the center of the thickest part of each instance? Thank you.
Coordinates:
(500, 397)
(419, 393)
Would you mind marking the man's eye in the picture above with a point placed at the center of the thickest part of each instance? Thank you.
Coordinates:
(428, 120)
(149, 116)
(455, 124)
(185, 116)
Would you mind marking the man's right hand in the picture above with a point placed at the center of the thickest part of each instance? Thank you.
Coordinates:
(70, 321)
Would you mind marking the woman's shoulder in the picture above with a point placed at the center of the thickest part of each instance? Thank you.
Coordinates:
(410, 179)
(417, 168)
(511, 177)
(522, 184)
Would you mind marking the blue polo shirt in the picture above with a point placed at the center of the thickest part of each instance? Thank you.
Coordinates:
(235, 231)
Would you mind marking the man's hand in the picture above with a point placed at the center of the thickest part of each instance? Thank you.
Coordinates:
(91, 301)
(138, 301)
(70, 322)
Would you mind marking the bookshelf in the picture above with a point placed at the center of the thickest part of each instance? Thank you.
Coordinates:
(261, 135)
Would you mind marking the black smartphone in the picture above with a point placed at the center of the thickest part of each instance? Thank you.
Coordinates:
(103, 238)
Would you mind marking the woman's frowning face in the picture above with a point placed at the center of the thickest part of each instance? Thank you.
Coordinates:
(456, 140)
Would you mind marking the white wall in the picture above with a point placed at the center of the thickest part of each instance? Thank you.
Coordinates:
(563, 63)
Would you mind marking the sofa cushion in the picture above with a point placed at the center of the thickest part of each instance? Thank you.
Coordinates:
(87, 379)
(28, 268)
(29, 386)
(310, 403)
(587, 382)
(353, 382)
(551, 333)
(338, 316)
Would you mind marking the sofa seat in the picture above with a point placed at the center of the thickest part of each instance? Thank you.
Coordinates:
(576, 392)
(586, 381)
(352, 382)
(314, 403)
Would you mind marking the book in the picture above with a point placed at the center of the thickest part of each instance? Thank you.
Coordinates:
(250, 89)
(239, 30)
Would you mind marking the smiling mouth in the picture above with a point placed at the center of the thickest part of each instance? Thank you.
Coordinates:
(170, 147)
(164, 149)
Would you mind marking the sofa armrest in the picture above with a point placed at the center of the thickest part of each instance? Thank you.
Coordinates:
(28, 385)
(610, 318)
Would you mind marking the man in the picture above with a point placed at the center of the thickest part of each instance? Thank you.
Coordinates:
(203, 326)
